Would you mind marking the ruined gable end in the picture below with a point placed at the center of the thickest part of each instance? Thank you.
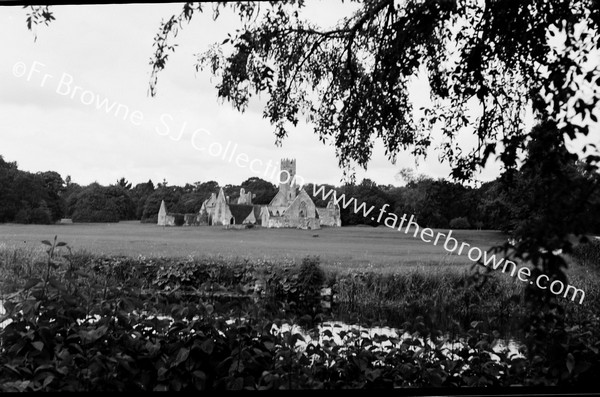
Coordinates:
(330, 215)
(162, 214)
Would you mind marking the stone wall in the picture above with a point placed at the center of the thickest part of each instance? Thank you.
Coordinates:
(279, 204)
(328, 217)
(168, 220)
(222, 214)
(192, 220)
(245, 198)
(164, 218)
(300, 223)
(302, 207)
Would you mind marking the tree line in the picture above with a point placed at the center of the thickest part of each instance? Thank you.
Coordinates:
(502, 204)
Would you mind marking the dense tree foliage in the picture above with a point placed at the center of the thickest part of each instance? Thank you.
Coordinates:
(140, 194)
(95, 203)
(264, 191)
(29, 198)
(352, 80)
(500, 58)
(436, 203)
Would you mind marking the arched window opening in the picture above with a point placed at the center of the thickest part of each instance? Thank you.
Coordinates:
(303, 209)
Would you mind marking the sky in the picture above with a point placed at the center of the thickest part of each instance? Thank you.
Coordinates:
(76, 101)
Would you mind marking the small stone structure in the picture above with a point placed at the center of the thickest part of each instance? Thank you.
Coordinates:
(164, 218)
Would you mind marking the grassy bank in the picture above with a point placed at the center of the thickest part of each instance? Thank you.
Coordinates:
(449, 297)
(84, 322)
(342, 249)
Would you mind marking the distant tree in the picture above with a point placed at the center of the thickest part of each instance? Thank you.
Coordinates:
(55, 187)
(139, 195)
(412, 200)
(7, 165)
(23, 215)
(205, 189)
(162, 184)
(22, 193)
(189, 188)
(232, 191)
(493, 206)
(95, 204)
(124, 183)
(264, 190)
(172, 197)
(191, 202)
(9, 201)
(41, 215)
(318, 199)
(120, 196)
(70, 198)
(409, 176)
(366, 192)
(460, 223)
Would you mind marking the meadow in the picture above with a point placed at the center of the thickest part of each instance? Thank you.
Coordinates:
(138, 307)
(345, 249)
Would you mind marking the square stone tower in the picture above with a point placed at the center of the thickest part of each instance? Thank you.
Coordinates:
(287, 178)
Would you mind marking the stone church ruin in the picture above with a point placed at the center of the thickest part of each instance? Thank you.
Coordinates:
(291, 207)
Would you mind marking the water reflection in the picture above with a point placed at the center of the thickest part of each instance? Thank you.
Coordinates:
(386, 338)
(341, 333)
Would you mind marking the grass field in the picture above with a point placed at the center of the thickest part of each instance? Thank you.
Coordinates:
(381, 252)
(347, 248)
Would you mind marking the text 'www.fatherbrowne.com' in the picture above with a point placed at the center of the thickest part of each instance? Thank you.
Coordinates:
(451, 245)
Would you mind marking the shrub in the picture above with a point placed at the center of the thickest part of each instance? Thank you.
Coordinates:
(310, 280)
(460, 223)
(438, 221)
(152, 219)
(94, 204)
(89, 215)
(22, 216)
(40, 216)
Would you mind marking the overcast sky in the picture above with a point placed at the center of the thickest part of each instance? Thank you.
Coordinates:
(46, 124)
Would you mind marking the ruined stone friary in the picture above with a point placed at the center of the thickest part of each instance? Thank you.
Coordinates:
(291, 207)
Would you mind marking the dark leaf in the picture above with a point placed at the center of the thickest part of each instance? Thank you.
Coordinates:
(47, 381)
(38, 345)
(207, 346)
(237, 384)
(182, 355)
(32, 282)
(570, 362)
(57, 284)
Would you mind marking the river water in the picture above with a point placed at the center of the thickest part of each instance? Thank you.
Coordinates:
(339, 333)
